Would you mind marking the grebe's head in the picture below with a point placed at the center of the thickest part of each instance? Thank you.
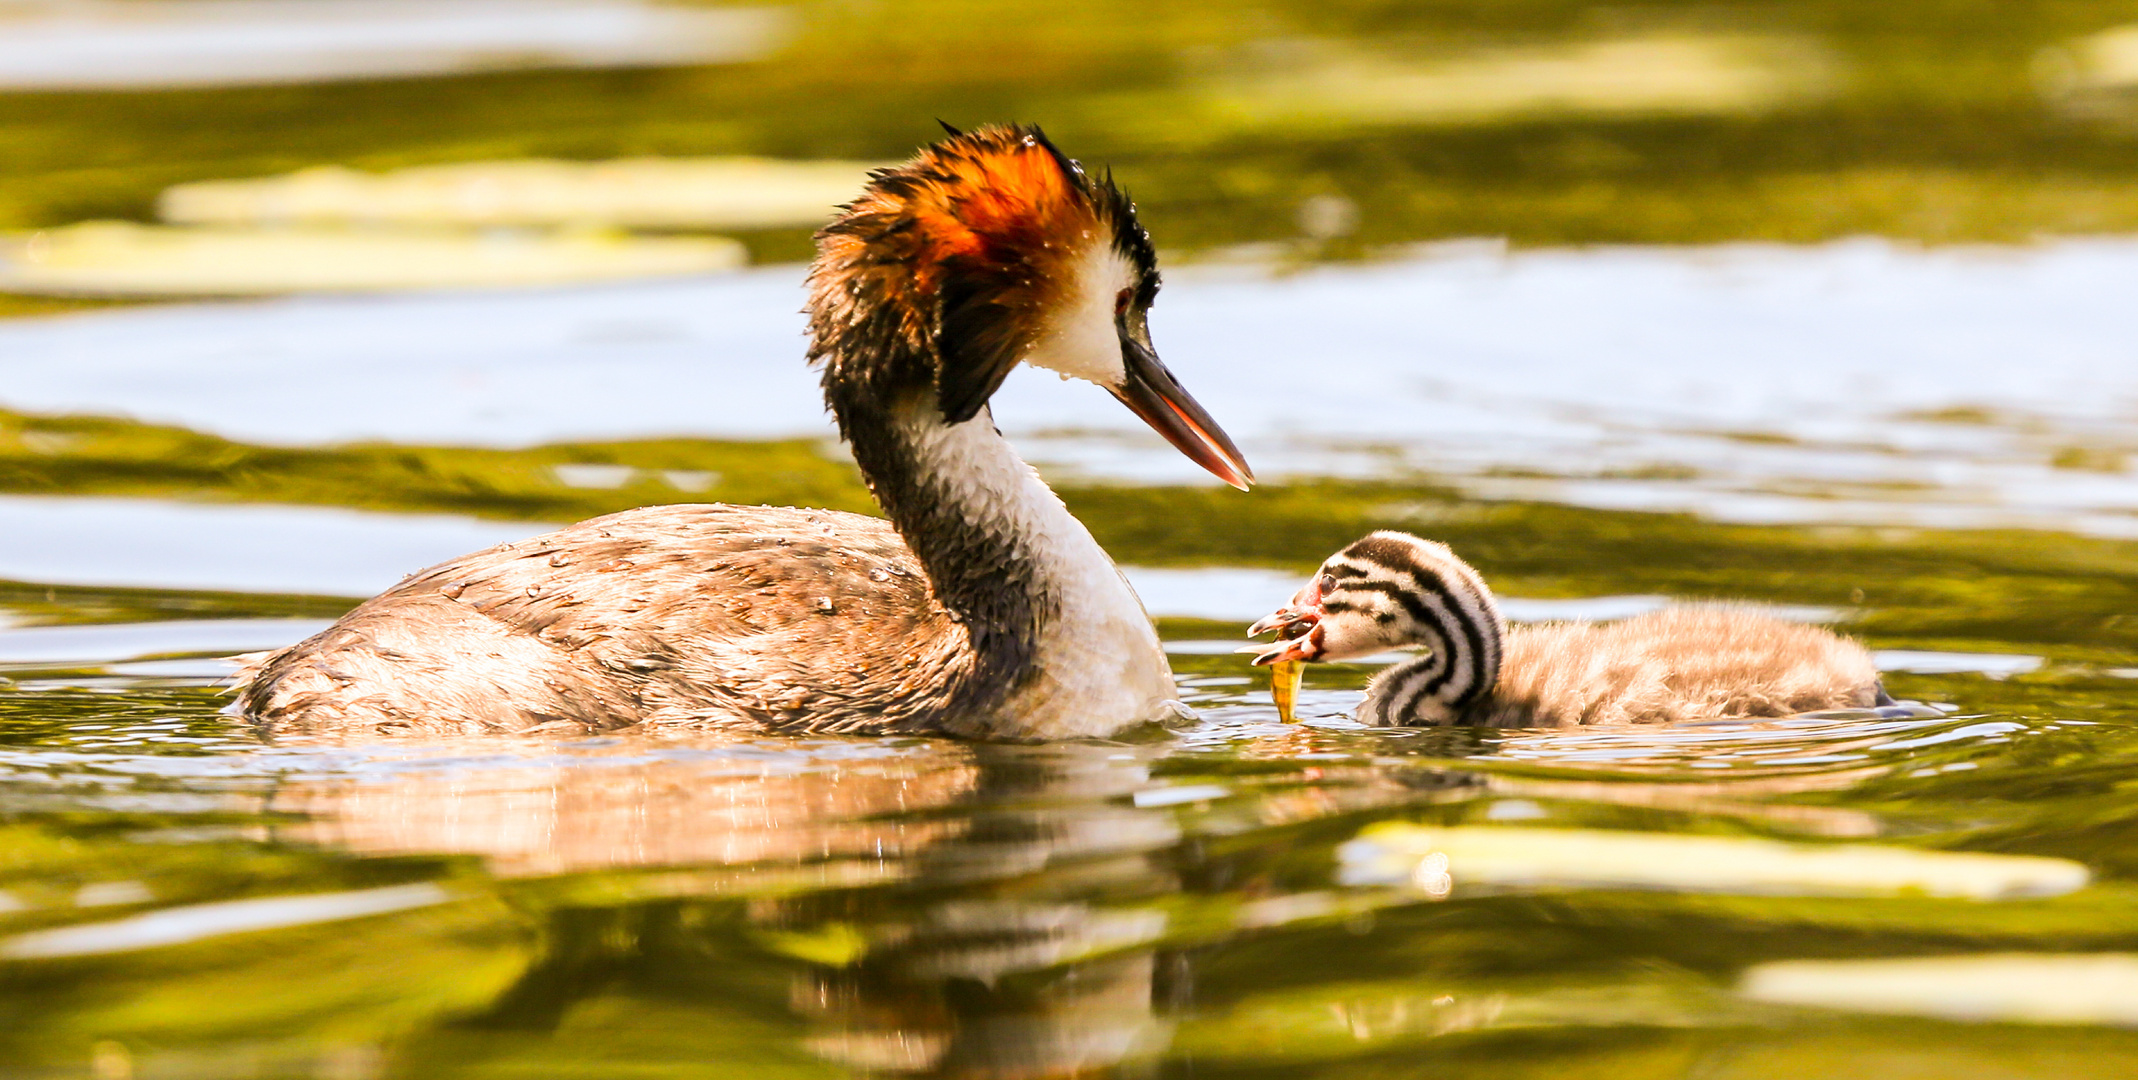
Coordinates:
(1387, 591)
(987, 249)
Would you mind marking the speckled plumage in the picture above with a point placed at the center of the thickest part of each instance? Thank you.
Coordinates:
(982, 608)
(1690, 661)
(1686, 662)
(759, 617)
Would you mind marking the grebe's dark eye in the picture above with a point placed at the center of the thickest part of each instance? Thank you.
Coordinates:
(1121, 300)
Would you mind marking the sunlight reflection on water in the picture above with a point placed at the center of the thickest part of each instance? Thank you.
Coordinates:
(1175, 896)
(1857, 381)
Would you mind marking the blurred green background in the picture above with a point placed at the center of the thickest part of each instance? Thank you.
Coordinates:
(1545, 121)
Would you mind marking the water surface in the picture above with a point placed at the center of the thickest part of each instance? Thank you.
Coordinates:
(1209, 900)
(185, 896)
(1929, 448)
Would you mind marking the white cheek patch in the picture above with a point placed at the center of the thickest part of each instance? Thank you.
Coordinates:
(1079, 339)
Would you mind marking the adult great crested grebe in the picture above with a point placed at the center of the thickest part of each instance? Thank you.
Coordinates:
(982, 608)
(1685, 662)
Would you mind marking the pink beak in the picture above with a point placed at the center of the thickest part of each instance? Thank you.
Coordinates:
(1305, 602)
(1299, 627)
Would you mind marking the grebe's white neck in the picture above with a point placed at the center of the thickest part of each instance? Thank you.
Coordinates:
(1096, 664)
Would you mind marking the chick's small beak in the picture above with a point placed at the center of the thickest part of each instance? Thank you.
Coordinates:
(1305, 604)
(1151, 392)
(1303, 645)
(1298, 626)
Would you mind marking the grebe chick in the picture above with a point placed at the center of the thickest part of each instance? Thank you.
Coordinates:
(981, 608)
(1685, 662)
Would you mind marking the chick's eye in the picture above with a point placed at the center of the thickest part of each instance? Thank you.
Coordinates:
(1328, 583)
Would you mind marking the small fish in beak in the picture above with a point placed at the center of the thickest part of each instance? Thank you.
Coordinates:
(1298, 625)
(1284, 679)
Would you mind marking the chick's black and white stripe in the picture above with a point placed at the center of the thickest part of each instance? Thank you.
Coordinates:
(1682, 662)
(1418, 591)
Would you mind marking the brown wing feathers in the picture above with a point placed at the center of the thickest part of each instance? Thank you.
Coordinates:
(702, 614)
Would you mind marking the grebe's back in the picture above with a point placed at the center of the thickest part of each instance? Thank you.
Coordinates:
(667, 614)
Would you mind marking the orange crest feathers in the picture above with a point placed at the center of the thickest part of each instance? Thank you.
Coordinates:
(996, 193)
(968, 243)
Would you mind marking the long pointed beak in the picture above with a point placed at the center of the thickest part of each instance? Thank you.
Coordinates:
(1151, 392)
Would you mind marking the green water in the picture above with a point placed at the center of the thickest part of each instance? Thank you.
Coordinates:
(182, 897)
(822, 907)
